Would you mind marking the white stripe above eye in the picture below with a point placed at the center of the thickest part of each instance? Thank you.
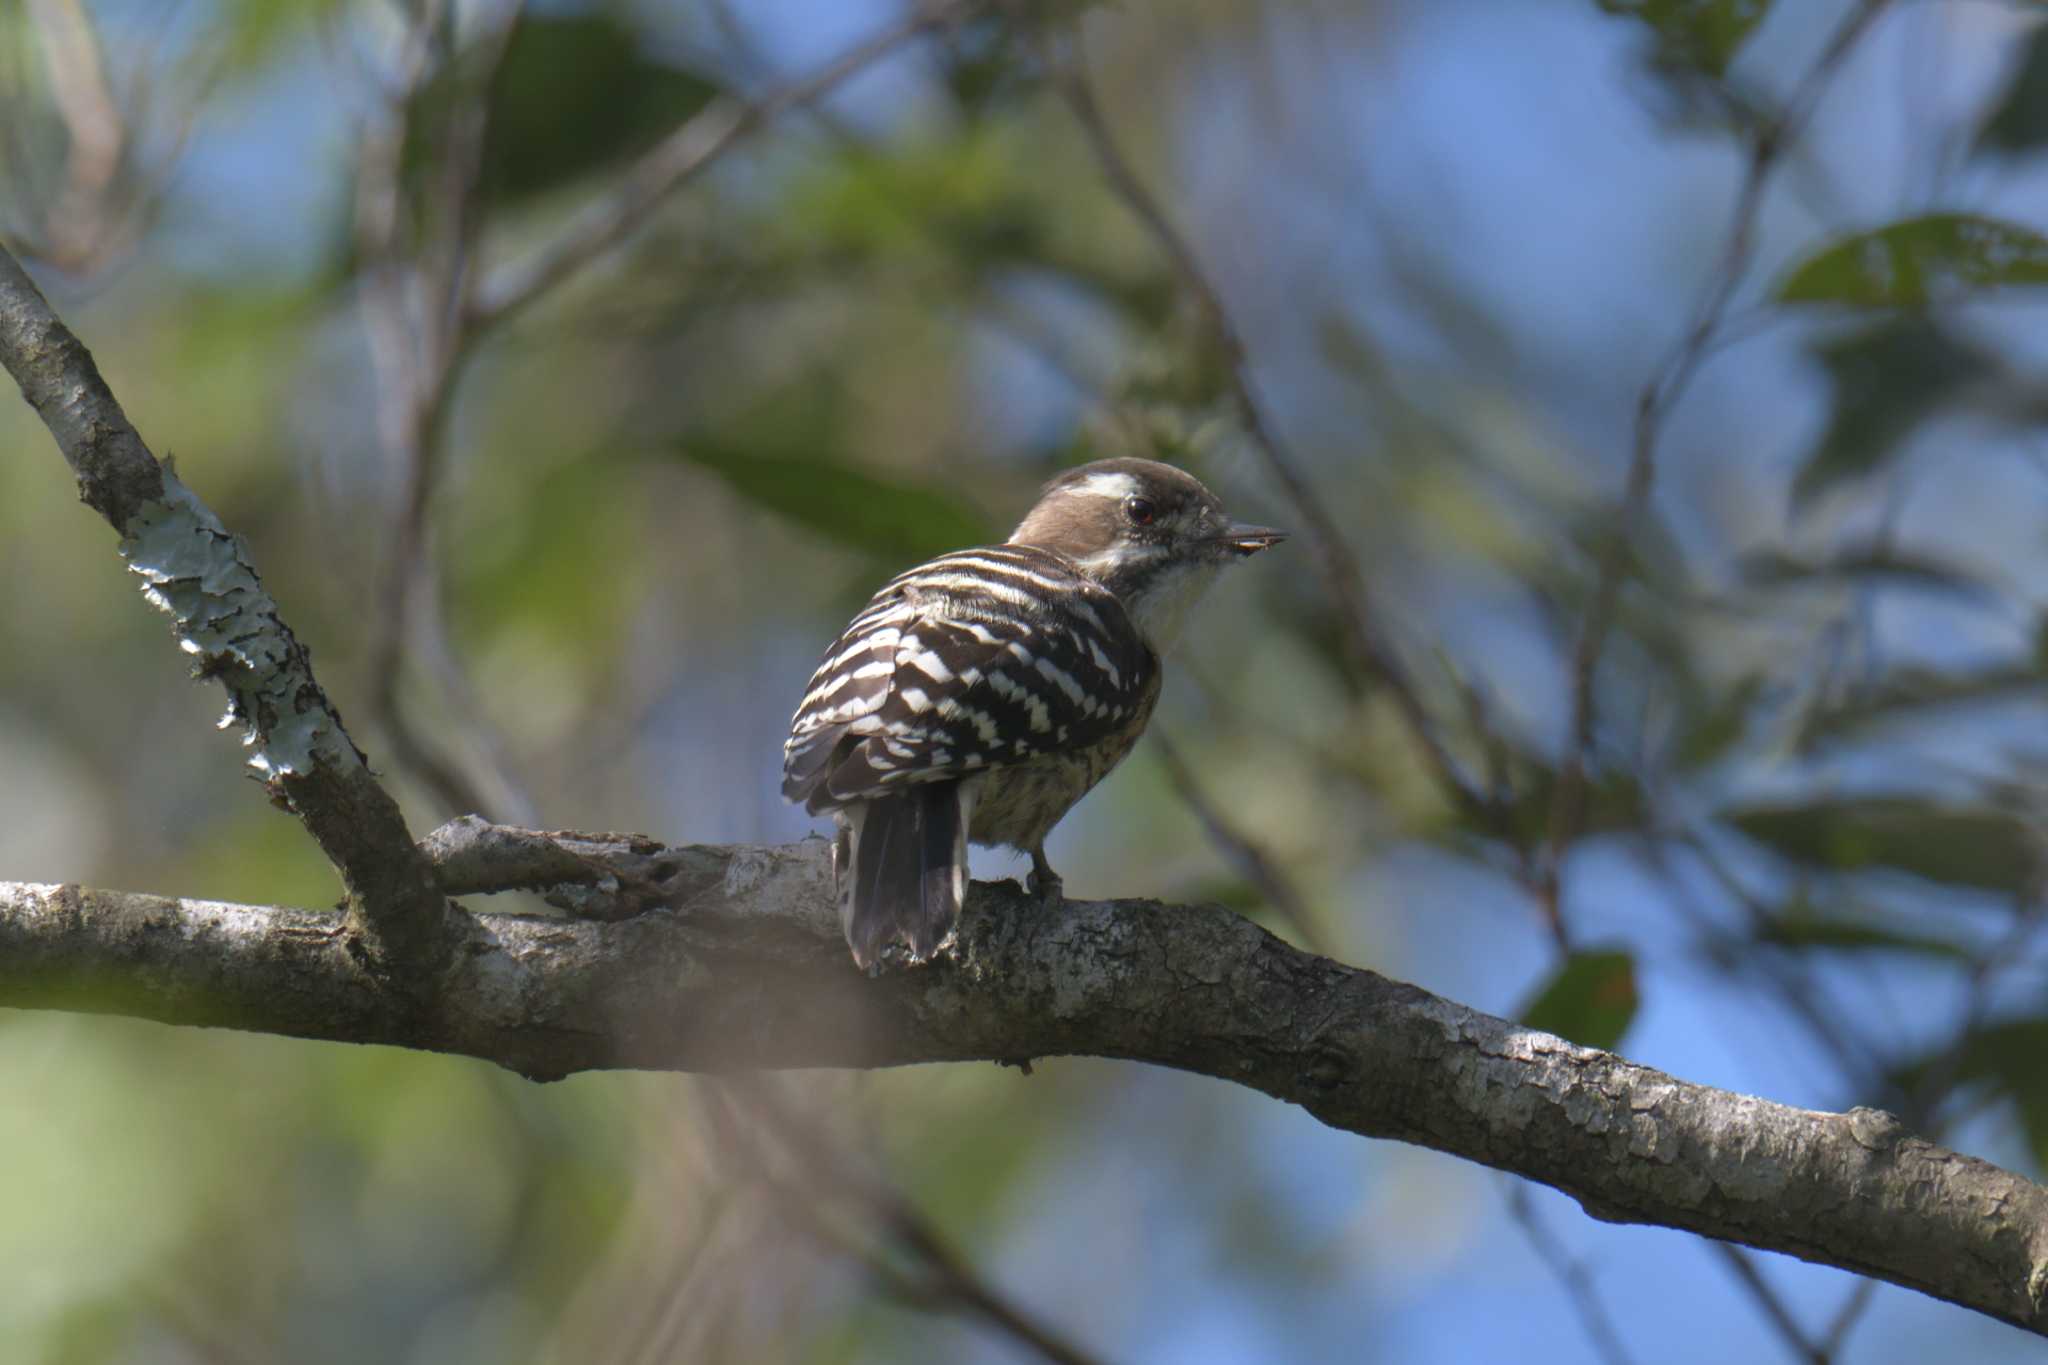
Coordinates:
(1108, 484)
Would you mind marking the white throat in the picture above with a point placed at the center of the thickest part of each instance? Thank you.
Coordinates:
(1161, 609)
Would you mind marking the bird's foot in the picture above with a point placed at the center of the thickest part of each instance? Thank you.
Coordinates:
(1045, 883)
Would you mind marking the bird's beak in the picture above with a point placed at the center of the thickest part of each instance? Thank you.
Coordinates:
(1240, 539)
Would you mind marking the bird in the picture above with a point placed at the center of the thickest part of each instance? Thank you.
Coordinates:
(980, 695)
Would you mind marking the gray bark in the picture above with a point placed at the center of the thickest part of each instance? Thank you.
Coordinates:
(731, 957)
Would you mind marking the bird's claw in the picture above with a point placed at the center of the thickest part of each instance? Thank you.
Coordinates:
(1046, 884)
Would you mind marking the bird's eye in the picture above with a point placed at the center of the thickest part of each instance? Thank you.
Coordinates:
(1140, 511)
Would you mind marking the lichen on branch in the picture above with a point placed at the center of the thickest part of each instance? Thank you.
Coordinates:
(195, 570)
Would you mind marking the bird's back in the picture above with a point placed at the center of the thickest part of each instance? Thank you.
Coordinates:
(975, 660)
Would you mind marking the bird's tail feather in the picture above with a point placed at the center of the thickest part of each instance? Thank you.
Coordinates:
(903, 869)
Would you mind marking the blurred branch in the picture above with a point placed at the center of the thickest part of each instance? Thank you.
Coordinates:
(194, 569)
(1854, 1304)
(817, 1174)
(96, 131)
(1240, 852)
(1369, 653)
(1770, 1304)
(678, 159)
(1571, 1272)
(119, 147)
(1768, 1301)
(413, 298)
(1769, 139)
(708, 982)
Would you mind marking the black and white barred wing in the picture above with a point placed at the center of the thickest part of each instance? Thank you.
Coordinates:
(976, 659)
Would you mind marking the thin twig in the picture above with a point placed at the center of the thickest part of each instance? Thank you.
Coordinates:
(1369, 653)
(1668, 383)
(414, 298)
(823, 1172)
(1571, 1272)
(1251, 862)
(676, 160)
(1846, 1317)
(1770, 1303)
(76, 225)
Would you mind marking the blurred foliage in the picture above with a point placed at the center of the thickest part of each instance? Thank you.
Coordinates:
(573, 95)
(863, 338)
(2019, 120)
(1854, 565)
(1937, 258)
(250, 33)
(779, 457)
(1910, 694)
(2005, 1056)
(1704, 34)
(958, 195)
(1590, 999)
(1887, 379)
(1804, 925)
(1971, 847)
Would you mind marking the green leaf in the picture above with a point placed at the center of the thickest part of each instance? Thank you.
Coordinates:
(784, 457)
(960, 192)
(1232, 893)
(1614, 802)
(529, 567)
(1704, 34)
(1911, 693)
(1806, 928)
(1869, 565)
(1962, 846)
(2007, 1055)
(2019, 123)
(980, 64)
(1591, 999)
(246, 34)
(1717, 724)
(1920, 261)
(574, 95)
(1886, 380)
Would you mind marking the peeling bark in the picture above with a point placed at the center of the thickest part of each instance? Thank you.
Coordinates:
(197, 572)
(731, 957)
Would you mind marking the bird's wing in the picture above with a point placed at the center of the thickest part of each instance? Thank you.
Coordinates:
(974, 660)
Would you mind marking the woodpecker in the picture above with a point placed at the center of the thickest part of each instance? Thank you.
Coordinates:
(980, 695)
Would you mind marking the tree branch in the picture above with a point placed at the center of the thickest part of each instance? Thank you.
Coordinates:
(196, 571)
(707, 981)
(416, 277)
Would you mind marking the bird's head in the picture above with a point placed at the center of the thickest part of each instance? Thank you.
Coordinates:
(1148, 532)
